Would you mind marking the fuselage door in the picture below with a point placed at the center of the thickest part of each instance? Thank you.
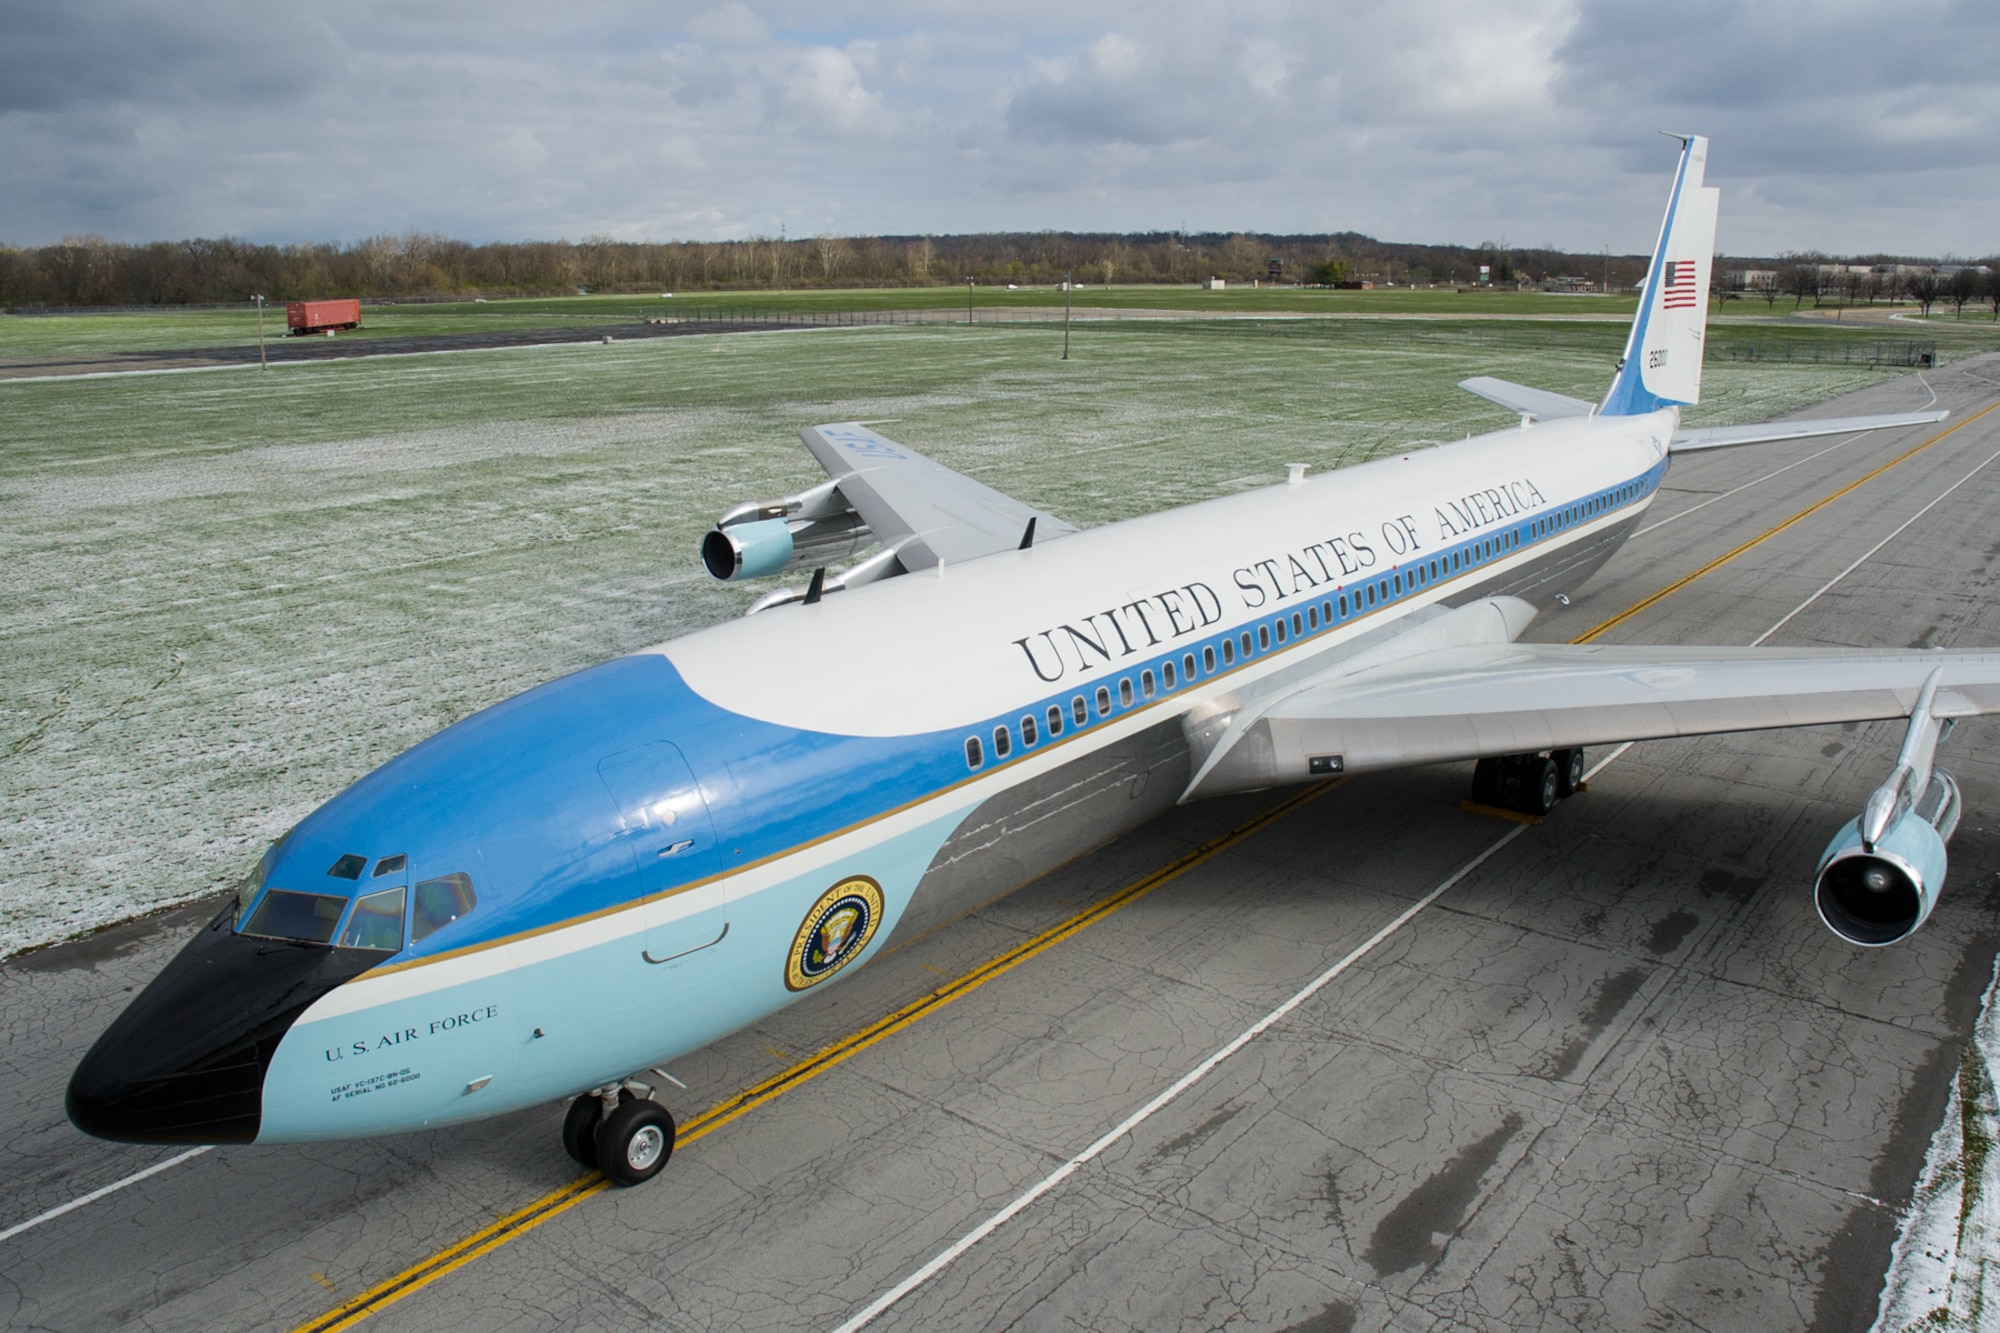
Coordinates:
(666, 824)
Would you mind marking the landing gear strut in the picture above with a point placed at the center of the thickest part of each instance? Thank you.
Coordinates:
(620, 1130)
(1529, 783)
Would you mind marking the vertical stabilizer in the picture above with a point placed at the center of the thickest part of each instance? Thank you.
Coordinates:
(1662, 362)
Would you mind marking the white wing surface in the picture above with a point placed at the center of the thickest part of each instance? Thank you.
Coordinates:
(1541, 404)
(920, 509)
(1725, 437)
(1497, 699)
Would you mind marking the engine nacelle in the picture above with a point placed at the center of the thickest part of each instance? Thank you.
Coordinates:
(1876, 895)
(768, 537)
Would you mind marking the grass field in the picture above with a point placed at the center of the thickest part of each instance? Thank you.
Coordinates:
(230, 594)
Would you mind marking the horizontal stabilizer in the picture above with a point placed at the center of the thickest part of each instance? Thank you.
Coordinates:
(1537, 403)
(1726, 437)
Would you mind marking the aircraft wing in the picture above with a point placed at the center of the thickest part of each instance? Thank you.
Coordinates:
(1515, 698)
(923, 510)
(1724, 437)
(1540, 404)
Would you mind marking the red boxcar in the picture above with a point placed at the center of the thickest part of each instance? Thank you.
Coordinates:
(318, 316)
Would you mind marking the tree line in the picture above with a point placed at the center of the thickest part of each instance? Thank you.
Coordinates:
(91, 271)
(1840, 283)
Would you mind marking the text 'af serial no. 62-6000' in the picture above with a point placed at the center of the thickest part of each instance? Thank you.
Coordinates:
(580, 884)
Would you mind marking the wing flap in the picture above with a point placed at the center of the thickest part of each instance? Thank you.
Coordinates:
(1516, 698)
(1727, 437)
(919, 508)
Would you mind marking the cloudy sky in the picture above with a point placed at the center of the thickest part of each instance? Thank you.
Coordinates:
(1844, 125)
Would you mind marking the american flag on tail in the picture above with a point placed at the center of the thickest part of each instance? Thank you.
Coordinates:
(1678, 292)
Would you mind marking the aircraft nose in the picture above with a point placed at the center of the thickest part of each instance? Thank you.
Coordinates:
(185, 1062)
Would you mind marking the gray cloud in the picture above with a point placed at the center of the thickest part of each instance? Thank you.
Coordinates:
(1842, 125)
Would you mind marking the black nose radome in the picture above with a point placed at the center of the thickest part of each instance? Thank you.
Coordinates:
(185, 1062)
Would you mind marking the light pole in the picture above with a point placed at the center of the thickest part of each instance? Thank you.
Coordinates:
(968, 300)
(260, 333)
(1067, 284)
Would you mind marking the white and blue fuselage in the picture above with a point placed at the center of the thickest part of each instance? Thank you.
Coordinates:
(653, 842)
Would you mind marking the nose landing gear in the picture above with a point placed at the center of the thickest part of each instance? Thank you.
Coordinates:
(620, 1130)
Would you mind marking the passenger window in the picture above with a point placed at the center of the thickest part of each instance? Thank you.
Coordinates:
(1077, 711)
(1399, 585)
(1187, 666)
(1228, 651)
(1003, 742)
(1146, 686)
(1125, 690)
(1312, 617)
(1167, 674)
(376, 922)
(441, 902)
(1343, 606)
(975, 753)
(309, 918)
(1264, 637)
(1055, 719)
(1103, 702)
(1245, 639)
(1371, 594)
(1028, 735)
(1298, 626)
(1208, 659)
(1281, 630)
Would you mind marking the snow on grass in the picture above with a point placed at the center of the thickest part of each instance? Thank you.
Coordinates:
(1944, 1272)
(227, 597)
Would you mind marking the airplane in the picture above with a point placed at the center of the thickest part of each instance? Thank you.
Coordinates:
(555, 896)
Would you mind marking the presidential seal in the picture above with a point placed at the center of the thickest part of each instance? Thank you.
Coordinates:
(837, 928)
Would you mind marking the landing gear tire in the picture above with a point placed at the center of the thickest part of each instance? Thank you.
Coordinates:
(634, 1142)
(1486, 782)
(1569, 772)
(1538, 795)
(579, 1132)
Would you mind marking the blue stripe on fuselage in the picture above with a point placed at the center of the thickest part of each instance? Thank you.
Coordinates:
(512, 797)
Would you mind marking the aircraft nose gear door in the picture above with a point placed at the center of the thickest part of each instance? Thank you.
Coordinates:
(665, 823)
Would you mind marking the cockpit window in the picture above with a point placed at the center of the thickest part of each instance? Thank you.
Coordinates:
(376, 922)
(441, 902)
(390, 865)
(348, 867)
(246, 888)
(306, 917)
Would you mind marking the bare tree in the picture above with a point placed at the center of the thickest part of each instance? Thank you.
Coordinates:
(1800, 281)
(1965, 285)
(1924, 287)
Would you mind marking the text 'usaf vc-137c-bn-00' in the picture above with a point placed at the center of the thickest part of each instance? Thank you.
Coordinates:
(584, 882)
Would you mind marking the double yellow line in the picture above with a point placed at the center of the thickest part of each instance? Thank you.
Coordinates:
(523, 1220)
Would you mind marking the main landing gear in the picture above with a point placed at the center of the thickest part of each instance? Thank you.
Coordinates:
(620, 1130)
(1528, 783)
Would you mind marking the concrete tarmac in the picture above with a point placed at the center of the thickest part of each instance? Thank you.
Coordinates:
(1619, 1075)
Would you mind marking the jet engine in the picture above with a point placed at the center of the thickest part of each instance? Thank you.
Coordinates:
(814, 527)
(1877, 892)
(1881, 874)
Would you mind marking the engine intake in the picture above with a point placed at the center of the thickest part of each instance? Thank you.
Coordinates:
(814, 527)
(1877, 893)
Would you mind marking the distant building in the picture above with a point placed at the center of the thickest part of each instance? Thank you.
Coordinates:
(1213, 284)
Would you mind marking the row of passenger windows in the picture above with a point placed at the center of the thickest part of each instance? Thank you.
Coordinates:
(1375, 593)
